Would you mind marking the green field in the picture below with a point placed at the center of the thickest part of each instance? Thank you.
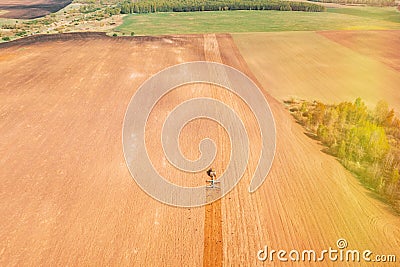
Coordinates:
(380, 13)
(259, 21)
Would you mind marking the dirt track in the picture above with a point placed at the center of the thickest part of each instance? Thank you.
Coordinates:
(68, 199)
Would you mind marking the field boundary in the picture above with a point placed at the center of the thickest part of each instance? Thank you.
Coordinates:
(53, 37)
(41, 38)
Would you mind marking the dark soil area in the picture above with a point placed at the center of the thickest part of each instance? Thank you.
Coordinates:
(31, 11)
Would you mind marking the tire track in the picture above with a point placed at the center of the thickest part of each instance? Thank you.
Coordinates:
(213, 243)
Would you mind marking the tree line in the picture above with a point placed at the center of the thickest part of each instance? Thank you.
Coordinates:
(151, 6)
(367, 142)
(360, 2)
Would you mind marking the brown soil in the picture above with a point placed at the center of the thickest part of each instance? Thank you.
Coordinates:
(380, 45)
(19, 9)
(307, 65)
(67, 196)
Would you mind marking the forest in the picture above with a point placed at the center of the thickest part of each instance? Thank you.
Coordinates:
(367, 142)
(151, 6)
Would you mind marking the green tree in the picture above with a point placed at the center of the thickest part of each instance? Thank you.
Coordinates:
(381, 112)
(318, 114)
(342, 150)
(322, 133)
